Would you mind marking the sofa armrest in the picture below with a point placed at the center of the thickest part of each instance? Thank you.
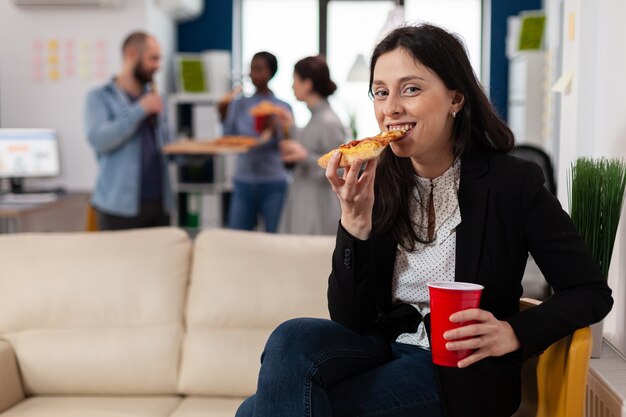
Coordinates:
(11, 391)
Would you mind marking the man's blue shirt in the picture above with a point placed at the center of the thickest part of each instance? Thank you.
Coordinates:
(112, 123)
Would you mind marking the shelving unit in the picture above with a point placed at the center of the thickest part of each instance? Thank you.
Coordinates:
(526, 97)
(200, 103)
(209, 196)
(199, 205)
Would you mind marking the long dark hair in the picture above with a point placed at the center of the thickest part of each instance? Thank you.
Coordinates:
(477, 126)
(315, 68)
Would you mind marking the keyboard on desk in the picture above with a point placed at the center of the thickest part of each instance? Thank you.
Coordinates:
(28, 198)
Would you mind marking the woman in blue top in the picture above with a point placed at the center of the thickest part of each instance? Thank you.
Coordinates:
(260, 180)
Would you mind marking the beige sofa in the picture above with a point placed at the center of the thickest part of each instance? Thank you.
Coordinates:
(147, 323)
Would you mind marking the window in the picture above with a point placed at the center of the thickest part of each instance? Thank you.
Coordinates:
(465, 21)
(354, 27)
(287, 29)
(290, 30)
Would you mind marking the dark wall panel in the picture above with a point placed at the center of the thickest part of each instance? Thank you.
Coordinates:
(499, 78)
(212, 30)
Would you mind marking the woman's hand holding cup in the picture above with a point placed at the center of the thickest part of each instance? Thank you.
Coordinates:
(487, 336)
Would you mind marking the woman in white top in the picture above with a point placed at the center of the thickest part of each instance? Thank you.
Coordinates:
(311, 207)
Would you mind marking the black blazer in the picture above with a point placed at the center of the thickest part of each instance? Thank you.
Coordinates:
(506, 213)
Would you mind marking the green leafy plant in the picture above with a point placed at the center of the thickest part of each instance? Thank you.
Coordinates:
(596, 193)
(353, 129)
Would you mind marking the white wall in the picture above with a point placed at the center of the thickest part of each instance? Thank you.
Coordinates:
(593, 116)
(29, 102)
(164, 28)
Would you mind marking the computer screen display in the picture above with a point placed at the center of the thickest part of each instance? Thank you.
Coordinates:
(29, 153)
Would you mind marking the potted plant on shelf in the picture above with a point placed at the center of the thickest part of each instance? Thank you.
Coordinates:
(596, 192)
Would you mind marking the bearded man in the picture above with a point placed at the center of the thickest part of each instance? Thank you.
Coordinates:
(126, 126)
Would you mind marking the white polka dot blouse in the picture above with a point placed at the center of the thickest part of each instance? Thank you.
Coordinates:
(433, 261)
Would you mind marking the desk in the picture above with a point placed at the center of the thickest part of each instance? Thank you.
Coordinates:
(66, 214)
(191, 150)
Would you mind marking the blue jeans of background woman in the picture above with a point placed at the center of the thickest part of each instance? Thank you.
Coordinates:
(318, 368)
(251, 199)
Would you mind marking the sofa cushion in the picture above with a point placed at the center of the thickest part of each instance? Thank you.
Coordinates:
(125, 360)
(10, 383)
(207, 407)
(95, 407)
(95, 313)
(243, 285)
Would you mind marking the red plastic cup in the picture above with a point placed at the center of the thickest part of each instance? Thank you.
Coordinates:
(446, 298)
(261, 123)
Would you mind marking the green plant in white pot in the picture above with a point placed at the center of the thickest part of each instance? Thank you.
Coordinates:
(596, 193)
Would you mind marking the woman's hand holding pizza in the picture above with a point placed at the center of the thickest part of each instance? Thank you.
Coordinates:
(356, 194)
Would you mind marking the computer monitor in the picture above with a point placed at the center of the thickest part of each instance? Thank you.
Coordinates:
(28, 153)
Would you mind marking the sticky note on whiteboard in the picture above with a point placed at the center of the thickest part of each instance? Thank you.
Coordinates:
(564, 84)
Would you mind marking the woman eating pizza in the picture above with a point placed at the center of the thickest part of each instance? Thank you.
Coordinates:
(444, 202)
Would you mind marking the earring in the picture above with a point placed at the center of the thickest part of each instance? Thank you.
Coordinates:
(453, 114)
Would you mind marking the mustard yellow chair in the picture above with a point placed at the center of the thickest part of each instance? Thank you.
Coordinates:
(91, 220)
(555, 383)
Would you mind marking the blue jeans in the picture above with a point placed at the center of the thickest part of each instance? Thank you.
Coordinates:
(251, 199)
(318, 368)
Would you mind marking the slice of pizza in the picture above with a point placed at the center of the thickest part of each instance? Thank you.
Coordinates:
(364, 149)
(266, 108)
(237, 141)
